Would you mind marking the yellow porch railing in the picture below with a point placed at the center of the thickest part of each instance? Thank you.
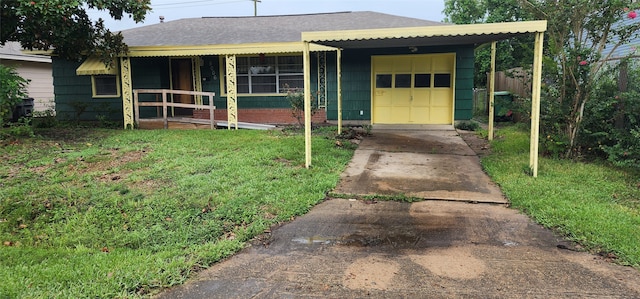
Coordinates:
(166, 103)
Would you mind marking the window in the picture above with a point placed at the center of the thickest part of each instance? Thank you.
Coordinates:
(383, 81)
(403, 81)
(268, 74)
(423, 80)
(442, 80)
(105, 86)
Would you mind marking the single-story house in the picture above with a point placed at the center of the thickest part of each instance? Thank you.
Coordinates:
(366, 67)
(35, 68)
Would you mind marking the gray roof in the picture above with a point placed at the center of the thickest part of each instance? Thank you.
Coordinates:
(261, 29)
(13, 51)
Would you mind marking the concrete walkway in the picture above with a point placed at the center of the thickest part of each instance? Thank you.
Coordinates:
(347, 248)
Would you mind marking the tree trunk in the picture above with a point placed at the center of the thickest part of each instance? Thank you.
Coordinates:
(623, 80)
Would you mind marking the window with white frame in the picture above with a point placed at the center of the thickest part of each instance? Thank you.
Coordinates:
(268, 74)
(105, 86)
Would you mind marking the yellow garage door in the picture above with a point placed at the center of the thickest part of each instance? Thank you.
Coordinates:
(413, 89)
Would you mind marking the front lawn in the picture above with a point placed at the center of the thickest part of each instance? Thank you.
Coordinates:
(594, 204)
(113, 214)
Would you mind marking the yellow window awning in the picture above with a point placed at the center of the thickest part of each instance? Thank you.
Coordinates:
(93, 66)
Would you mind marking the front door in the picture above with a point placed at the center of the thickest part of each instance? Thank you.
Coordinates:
(413, 89)
(182, 79)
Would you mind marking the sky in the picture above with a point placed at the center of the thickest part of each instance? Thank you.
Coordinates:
(180, 9)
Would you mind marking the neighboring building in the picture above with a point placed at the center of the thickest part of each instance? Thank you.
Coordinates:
(425, 77)
(36, 68)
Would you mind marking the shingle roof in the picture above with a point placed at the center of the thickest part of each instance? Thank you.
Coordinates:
(13, 51)
(261, 29)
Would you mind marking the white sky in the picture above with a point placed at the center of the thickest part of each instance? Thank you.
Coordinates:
(179, 9)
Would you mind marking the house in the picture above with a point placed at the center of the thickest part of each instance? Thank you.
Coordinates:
(366, 67)
(35, 68)
(408, 83)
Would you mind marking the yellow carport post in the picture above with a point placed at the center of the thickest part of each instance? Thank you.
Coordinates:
(535, 103)
(339, 78)
(307, 104)
(492, 86)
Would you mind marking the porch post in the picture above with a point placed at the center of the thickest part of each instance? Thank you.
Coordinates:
(339, 78)
(307, 104)
(127, 92)
(535, 103)
(232, 93)
(492, 86)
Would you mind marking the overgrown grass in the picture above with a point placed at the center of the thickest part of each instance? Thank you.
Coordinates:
(594, 204)
(114, 214)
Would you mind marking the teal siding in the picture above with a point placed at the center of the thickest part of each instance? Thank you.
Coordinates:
(464, 82)
(73, 92)
(73, 95)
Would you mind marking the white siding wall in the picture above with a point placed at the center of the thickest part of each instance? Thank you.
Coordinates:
(41, 85)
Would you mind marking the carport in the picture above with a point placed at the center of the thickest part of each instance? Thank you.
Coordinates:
(447, 35)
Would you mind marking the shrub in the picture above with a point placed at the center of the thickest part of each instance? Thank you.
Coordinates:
(12, 91)
(295, 96)
(612, 128)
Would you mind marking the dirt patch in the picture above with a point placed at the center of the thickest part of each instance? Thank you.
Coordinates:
(478, 144)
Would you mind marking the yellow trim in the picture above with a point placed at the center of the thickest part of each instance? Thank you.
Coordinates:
(127, 92)
(97, 96)
(93, 66)
(229, 49)
(427, 31)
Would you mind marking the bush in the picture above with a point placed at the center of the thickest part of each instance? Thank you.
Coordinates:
(295, 96)
(611, 129)
(12, 91)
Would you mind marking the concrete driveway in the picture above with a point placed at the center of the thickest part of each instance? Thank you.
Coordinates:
(347, 248)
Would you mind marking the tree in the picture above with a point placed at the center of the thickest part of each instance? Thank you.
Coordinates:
(582, 36)
(64, 26)
(515, 52)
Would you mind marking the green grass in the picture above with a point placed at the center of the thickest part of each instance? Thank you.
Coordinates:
(594, 204)
(106, 213)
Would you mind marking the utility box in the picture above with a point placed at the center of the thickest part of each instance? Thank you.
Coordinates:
(24, 109)
(502, 103)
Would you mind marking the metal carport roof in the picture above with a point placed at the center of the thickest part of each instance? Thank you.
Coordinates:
(432, 36)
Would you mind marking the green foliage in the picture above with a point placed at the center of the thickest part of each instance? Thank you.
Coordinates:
(119, 213)
(70, 31)
(467, 125)
(594, 204)
(611, 130)
(12, 92)
(295, 96)
(44, 119)
(579, 33)
(510, 53)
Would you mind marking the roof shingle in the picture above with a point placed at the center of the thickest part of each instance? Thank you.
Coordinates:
(261, 29)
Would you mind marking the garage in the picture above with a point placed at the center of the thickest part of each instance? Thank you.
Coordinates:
(413, 89)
